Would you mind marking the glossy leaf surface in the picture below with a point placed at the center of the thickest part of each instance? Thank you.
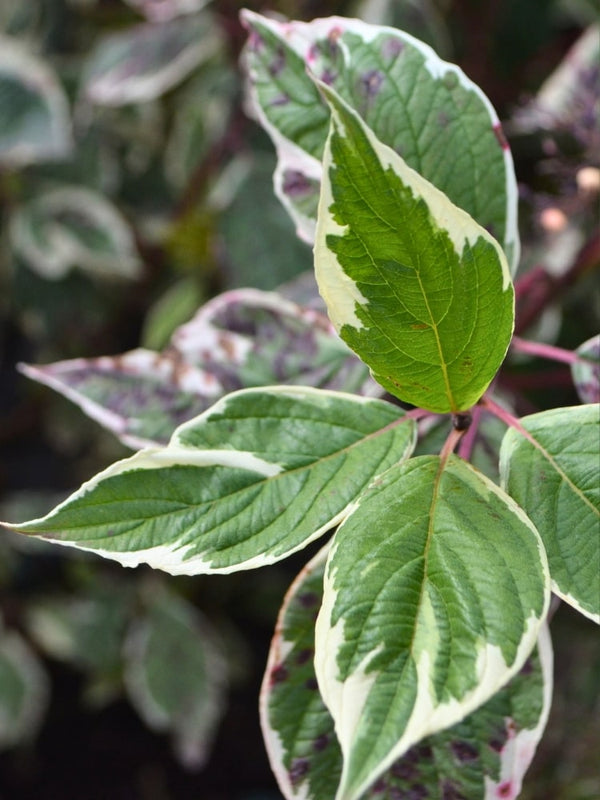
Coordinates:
(484, 756)
(551, 469)
(255, 478)
(412, 283)
(435, 589)
(424, 108)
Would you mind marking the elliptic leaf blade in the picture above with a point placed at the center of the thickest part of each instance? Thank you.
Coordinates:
(483, 756)
(253, 479)
(421, 106)
(412, 283)
(427, 613)
(550, 467)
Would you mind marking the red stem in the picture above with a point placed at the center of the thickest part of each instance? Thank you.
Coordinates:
(545, 351)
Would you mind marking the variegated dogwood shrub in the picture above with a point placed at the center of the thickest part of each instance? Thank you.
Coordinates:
(411, 658)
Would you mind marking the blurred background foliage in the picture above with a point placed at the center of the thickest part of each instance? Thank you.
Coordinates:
(133, 188)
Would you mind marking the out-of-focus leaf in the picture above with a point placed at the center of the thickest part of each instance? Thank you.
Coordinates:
(144, 62)
(420, 18)
(164, 10)
(23, 690)
(85, 630)
(260, 255)
(586, 371)
(34, 112)
(176, 676)
(172, 309)
(71, 227)
(240, 339)
(200, 120)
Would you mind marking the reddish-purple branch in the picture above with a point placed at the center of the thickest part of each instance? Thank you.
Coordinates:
(545, 351)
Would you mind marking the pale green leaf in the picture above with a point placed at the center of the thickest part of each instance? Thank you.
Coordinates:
(424, 108)
(435, 589)
(254, 478)
(484, 756)
(176, 675)
(412, 283)
(24, 690)
(70, 226)
(550, 467)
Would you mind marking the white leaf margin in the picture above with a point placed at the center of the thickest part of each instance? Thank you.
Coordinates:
(299, 36)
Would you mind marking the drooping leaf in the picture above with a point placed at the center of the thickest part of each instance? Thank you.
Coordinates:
(427, 613)
(586, 371)
(145, 61)
(34, 111)
(412, 283)
(176, 675)
(23, 690)
(71, 227)
(424, 108)
(238, 340)
(255, 478)
(550, 467)
(484, 756)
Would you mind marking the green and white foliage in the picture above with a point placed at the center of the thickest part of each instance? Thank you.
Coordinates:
(586, 370)
(411, 657)
(71, 226)
(144, 62)
(425, 109)
(550, 466)
(414, 285)
(23, 689)
(235, 488)
(176, 675)
(238, 340)
(483, 756)
(414, 633)
(34, 110)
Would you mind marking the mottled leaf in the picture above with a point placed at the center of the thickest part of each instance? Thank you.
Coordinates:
(238, 340)
(23, 690)
(412, 283)
(34, 112)
(145, 61)
(550, 466)
(71, 227)
(586, 370)
(176, 675)
(424, 108)
(436, 586)
(484, 756)
(255, 478)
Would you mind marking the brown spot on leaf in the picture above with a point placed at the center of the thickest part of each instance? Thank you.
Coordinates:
(304, 655)
(308, 599)
(312, 685)
(279, 674)
(321, 742)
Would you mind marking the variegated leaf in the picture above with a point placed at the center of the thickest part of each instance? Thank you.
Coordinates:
(435, 589)
(255, 478)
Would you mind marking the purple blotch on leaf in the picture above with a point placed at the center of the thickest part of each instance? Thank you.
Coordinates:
(451, 792)
(404, 769)
(392, 47)
(308, 599)
(296, 183)
(304, 655)
(280, 100)
(298, 770)
(278, 63)
(464, 751)
(279, 674)
(328, 77)
(321, 742)
(371, 82)
(312, 684)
